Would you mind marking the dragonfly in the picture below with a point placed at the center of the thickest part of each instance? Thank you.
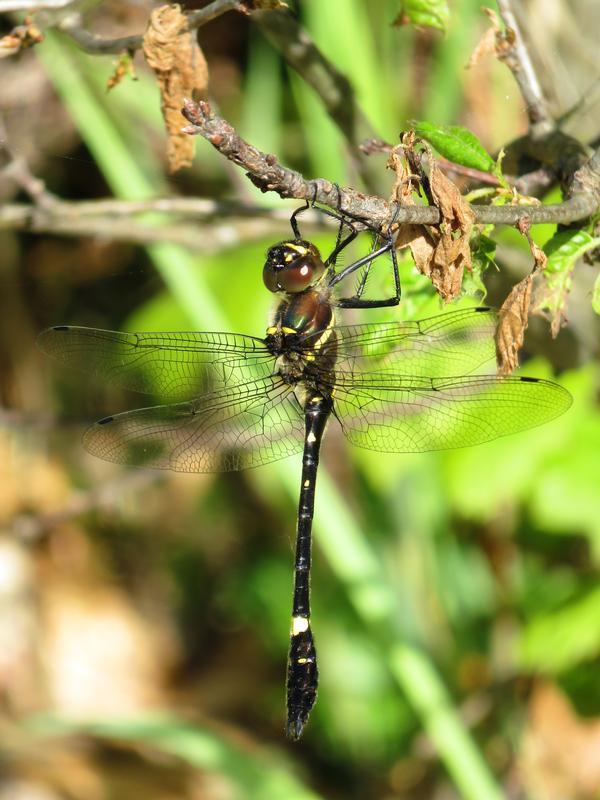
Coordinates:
(230, 401)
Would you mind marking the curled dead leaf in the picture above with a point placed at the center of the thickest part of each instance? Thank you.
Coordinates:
(452, 252)
(416, 237)
(440, 252)
(512, 323)
(488, 43)
(514, 313)
(173, 53)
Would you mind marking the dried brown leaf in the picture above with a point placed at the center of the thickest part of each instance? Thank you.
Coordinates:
(487, 44)
(513, 315)
(417, 237)
(452, 252)
(440, 252)
(512, 323)
(172, 52)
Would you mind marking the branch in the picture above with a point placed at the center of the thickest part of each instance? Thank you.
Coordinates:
(266, 173)
(72, 25)
(514, 53)
(81, 219)
(226, 224)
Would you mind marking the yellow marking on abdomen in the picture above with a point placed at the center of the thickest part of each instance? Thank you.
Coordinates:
(299, 625)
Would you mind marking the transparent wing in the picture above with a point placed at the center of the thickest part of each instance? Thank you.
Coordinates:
(457, 343)
(174, 366)
(240, 427)
(435, 414)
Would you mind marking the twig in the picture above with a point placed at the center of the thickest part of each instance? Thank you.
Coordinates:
(63, 219)
(266, 173)
(515, 55)
(72, 25)
(226, 224)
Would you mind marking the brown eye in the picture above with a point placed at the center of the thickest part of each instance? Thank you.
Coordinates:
(297, 277)
(292, 266)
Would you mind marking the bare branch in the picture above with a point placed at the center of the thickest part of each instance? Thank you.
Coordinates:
(72, 24)
(514, 53)
(266, 173)
(75, 219)
(225, 224)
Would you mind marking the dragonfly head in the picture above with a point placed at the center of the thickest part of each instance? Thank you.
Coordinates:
(292, 266)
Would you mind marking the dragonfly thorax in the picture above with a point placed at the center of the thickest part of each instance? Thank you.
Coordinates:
(292, 266)
(302, 314)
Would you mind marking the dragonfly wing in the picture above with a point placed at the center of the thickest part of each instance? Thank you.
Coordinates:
(458, 343)
(174, 366)
(423, 414)
(241, 427)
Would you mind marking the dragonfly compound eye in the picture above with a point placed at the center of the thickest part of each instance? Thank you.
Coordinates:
(292, 266)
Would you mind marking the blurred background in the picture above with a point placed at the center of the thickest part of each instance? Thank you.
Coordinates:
(144, 616)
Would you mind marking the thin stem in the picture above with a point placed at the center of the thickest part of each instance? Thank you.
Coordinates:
(515, 55)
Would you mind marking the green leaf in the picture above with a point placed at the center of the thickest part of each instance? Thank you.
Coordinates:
(457, 144)
(596, 296)
(563, 251)
(428, 13)
(483, 251)
(566, 247)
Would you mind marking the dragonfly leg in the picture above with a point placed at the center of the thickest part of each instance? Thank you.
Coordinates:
(302, 669)
(357, 301)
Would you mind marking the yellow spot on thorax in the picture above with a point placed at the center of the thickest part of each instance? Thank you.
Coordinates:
(297, 247)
